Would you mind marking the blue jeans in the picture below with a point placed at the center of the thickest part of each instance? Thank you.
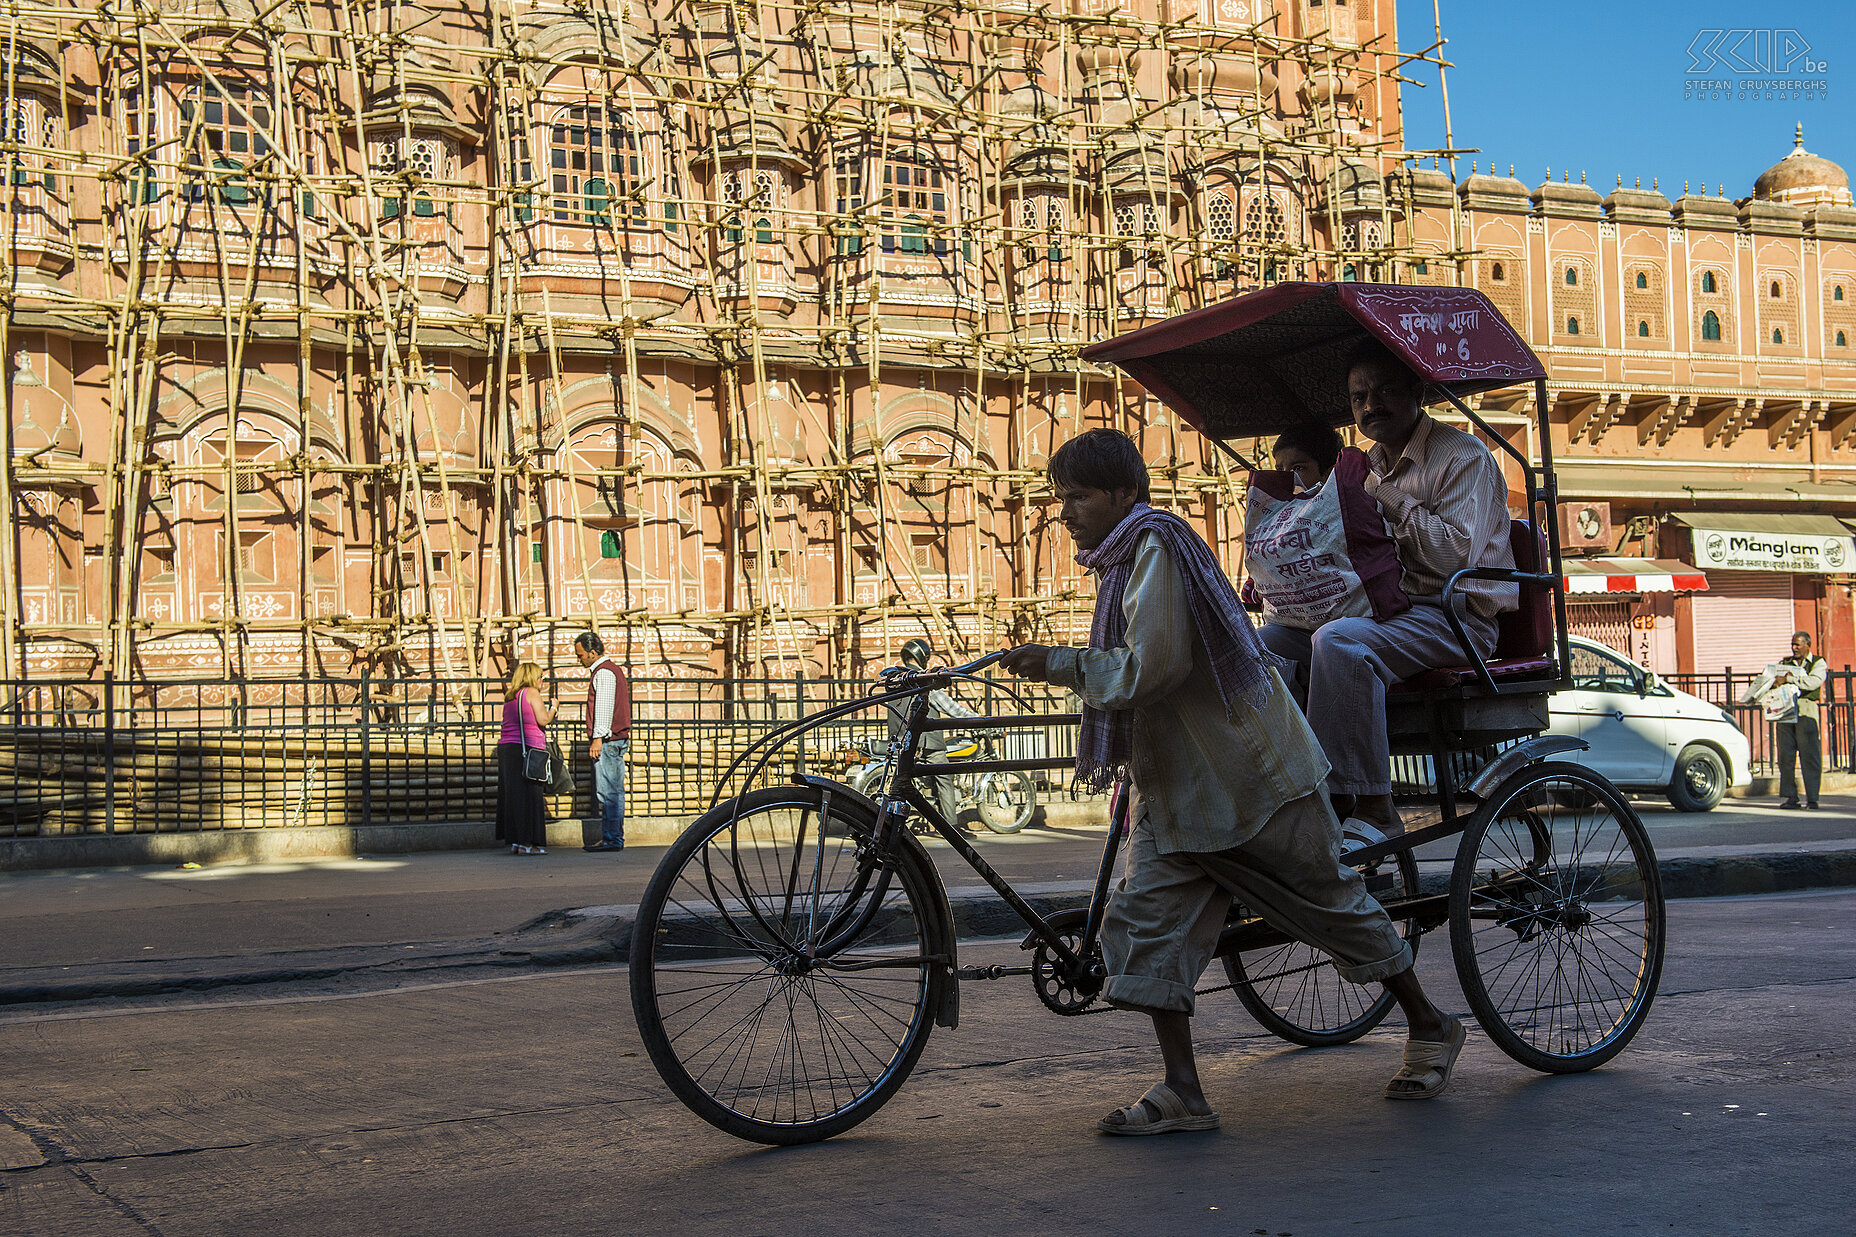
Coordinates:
(609, 790)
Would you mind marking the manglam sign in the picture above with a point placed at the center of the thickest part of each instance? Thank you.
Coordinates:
(1728, 550)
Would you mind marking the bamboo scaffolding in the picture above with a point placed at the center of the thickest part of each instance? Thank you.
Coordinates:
(324, 261)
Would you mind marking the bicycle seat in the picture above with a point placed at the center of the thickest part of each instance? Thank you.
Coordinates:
(962, 748)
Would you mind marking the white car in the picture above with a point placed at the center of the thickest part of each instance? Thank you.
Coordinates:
(1645, 735)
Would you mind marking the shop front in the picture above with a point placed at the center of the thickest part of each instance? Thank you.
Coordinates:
(1629, 604)
(1769, 575)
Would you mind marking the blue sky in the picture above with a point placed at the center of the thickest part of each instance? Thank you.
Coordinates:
(1599, 87)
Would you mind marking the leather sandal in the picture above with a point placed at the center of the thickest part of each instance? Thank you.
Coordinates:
(1174, 1116)
(1428, 1064)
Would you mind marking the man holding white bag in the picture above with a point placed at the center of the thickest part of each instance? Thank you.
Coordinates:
(1445, 502)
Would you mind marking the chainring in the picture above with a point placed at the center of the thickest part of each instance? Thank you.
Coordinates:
(1063, 994)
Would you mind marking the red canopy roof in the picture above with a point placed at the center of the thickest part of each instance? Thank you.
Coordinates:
(1253, 365)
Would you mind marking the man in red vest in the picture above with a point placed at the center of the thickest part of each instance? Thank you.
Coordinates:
(609, 730)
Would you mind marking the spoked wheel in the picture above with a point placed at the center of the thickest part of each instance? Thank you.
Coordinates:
(1007, 801)
(1556, 918)
(1294, 990)
(785, 982)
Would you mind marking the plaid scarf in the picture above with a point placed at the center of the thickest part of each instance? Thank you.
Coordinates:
(1240, 664)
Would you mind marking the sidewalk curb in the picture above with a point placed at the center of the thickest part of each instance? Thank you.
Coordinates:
(601, 935)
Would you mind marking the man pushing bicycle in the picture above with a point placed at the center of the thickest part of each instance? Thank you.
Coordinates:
(1181, 699)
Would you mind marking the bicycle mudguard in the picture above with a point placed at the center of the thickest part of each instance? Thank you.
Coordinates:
(1520, 756)
(941, 932)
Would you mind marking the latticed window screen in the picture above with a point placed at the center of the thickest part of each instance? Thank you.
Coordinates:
(850, 189)
(28, 123)
(1643, 303)
(223, 129)
(1778, 308)
(1265, 221)
(1714, 316)
(915, 212)
(430, 161)
(1221, 218)
(595, 167)
(1041, 225)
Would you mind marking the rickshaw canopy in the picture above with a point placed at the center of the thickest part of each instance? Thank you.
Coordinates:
(1251, 366)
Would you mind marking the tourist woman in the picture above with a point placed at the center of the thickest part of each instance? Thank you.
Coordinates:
(521, 815)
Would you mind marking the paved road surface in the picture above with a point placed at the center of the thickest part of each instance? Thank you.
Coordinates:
(521, 1105)
(84, 916)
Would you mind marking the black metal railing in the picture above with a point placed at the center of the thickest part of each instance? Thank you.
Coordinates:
(1836, 709)
(98, 756)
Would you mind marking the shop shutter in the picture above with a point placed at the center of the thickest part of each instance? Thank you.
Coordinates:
(1744, 620)
(1607, 622)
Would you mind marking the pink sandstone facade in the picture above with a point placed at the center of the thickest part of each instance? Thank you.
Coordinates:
(416, 336)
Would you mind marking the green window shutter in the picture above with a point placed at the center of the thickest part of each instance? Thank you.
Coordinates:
(390, 208)
(670, 217)
(763, 232)
(598, 200)
(423, 206)
(233, 190)
(609, 545)
(534, 553)
(525, 207)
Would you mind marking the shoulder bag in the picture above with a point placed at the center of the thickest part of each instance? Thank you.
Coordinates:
(534, 759)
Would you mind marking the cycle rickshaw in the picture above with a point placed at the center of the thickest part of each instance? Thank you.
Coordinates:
(796, 946)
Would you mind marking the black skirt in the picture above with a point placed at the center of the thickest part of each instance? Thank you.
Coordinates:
(521, 811)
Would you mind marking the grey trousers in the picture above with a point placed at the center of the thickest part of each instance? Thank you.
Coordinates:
(1343, 671)
(1165, 915)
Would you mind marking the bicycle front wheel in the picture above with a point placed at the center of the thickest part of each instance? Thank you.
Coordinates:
(1007, 801)
(784, 980)
(1556, 918)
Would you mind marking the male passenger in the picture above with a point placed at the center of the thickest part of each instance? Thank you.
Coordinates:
(1225, 782)
(609, 731)
(1446, 500)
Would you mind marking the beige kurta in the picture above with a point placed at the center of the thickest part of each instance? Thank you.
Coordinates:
(1447, 502)
(1207, 781)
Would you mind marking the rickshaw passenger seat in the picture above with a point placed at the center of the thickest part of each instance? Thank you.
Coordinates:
(1523, 636)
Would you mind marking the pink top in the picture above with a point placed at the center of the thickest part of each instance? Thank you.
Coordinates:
(520, 725)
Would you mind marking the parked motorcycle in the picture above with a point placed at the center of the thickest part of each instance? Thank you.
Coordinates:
(1005, 801)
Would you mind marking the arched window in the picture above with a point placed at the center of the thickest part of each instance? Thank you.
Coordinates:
(1778, 336)
(1643, 280)
(1347, 274)
(1842, 340)
(1572, 277)
(1708, 285)
(1420, 267)
(610, 545)
(1643, 330)
(225, 123)
(1498, 273)
(1836, 293)
(1775, 289)
(915, 203)
(594, 161)
(1572, 326)
(1710, 326)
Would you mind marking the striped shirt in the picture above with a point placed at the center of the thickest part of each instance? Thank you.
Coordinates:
(1447, 502)
(1207, 781)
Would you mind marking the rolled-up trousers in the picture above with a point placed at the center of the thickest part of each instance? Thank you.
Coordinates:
(1167, 912)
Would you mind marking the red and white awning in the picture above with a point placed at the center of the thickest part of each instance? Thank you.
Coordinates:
(1632, 575)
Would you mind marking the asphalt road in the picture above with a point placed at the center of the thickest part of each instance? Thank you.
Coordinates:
(84, 916)
(522, 1105)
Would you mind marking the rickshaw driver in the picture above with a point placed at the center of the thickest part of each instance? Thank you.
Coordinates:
(1446, 500)
(1226, 779)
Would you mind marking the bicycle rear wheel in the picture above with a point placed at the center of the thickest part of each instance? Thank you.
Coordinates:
(783, 980)
(1294, 991)
(1556, 918)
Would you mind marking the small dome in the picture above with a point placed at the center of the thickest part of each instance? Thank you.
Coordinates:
(1803, 179)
